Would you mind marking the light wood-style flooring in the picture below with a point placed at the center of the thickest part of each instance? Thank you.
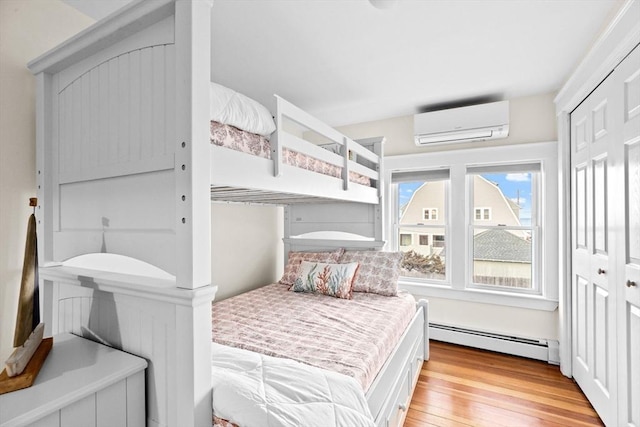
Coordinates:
(461, 386)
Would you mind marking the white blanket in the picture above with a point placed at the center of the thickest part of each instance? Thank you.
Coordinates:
(251, 389)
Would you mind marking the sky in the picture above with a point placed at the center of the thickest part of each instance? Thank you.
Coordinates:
(516, 186)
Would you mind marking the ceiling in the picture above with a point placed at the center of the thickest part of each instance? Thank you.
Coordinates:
(346, 61)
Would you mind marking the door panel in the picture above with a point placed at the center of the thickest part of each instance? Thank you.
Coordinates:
(581, 336)
(628, 79)
(605, 209)
(601, 360)
(632, 167)
(600, 205)
(600, 120)
(631, 411)
(581, 207)
(594, 316)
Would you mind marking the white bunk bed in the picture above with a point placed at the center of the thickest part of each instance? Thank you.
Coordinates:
(237, 176)
(125, 167)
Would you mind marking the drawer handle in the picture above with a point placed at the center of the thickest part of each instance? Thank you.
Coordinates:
(630, 284)
(601, 271)
(402, 407)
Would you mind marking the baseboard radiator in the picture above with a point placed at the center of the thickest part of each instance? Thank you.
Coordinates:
(545, 350)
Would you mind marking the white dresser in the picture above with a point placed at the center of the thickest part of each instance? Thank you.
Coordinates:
(82, 384)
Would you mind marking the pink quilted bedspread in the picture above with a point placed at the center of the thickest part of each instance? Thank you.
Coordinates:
(353, 337)
(257, 145)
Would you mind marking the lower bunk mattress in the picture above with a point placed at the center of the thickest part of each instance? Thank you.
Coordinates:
(349, 337)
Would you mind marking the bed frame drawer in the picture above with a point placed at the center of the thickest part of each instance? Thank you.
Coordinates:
(390, 394)
(396, 409)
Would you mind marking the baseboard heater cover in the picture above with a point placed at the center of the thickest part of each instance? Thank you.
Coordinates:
(545, 350)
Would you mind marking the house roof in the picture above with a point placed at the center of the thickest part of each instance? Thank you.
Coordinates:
(501, 245)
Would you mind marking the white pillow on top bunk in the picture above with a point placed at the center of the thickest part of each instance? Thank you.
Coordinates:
(232, 108)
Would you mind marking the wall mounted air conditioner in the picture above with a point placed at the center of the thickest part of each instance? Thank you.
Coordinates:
(465, 124)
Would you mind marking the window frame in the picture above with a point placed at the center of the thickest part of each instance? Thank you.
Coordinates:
(534, 228)
(405, 234)
(393, 227)
(459, 212)
(482, 210)
(430, 212)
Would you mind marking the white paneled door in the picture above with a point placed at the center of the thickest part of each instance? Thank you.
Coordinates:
(627, 148)
(605, 208)
(594, 318)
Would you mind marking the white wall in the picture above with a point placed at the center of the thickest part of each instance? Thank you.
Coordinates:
(27, 29)
(532, 119)
(247, 248)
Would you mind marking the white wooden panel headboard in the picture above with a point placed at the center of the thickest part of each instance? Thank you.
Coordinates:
(111, 185)
(122, 155)
(144, 316)
(346, 225)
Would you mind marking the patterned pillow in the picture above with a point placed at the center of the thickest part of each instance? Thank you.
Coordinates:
(378, 272)
(335, 280)
(295, 258)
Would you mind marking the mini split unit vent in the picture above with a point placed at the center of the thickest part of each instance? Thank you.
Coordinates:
(466, 124)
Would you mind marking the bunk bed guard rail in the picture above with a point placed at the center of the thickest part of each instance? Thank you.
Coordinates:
(282, 139)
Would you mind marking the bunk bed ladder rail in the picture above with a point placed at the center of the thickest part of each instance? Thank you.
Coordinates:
(345, 168)
(282, 139)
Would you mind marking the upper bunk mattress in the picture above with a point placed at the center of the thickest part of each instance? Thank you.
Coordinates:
(257, 145)
(353, 337)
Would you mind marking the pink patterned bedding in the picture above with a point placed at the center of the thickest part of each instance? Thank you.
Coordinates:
(353, 337)
(257, 145)
(221, 422)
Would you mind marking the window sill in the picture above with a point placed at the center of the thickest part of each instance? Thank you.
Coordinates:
(533, 302)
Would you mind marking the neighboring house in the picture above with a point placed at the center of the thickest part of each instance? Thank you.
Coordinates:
(501, 257)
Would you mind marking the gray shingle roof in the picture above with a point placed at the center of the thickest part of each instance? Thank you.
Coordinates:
(501, 245)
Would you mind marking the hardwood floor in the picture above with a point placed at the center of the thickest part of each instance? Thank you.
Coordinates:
(460, 386)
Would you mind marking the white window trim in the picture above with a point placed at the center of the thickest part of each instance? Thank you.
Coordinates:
(457, 161)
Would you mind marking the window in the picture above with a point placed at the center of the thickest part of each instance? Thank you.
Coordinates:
(414, 190)
(483, 214)
(502, 246)
(495, 236)
(430, 214)
(405, 240)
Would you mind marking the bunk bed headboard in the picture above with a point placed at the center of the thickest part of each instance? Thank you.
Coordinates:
(122, 153)
(145, 316)
(122, 159)
(333, 225)
(124, 166)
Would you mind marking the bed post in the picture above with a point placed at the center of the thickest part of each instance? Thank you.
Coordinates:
(425, 311)
(193, 209)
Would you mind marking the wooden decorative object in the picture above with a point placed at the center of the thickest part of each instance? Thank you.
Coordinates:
(27, 378)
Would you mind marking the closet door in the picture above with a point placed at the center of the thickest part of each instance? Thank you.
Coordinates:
(627, 77)
(593, 130)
